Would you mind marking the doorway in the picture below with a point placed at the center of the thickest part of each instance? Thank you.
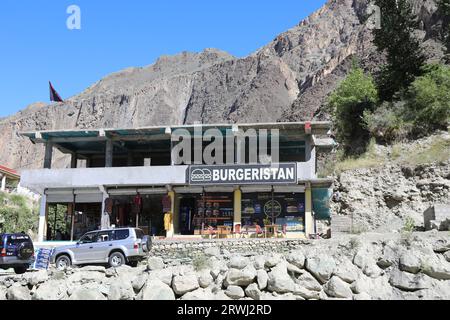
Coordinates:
(187, 212)
(144, 211)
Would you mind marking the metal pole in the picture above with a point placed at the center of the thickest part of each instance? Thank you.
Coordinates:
(54, 226)
(273, 203)
(204, 208)
(73, 217)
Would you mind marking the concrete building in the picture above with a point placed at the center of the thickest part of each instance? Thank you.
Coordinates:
(138, 177)
(9, 179)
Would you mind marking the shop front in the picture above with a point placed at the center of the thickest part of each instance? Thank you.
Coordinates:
(224, 200)
(284, 209)
(142, 208)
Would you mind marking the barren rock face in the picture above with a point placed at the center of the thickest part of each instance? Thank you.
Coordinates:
(287, 80)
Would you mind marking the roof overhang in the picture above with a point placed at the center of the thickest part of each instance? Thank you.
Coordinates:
(318, 128)
(91, 140)
(9, 173)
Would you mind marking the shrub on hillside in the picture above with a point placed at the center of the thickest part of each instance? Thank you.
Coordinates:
(16, 214)
(355, 95)
(425, 108)
(428, 100)
(387, 123)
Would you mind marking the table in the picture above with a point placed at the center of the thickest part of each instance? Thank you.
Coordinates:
(223, 230)
(271, 229)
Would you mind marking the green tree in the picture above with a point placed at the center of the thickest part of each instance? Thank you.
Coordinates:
(428, 99)
(403, 51)
(16, 214)
(58, 219)
(355, 95)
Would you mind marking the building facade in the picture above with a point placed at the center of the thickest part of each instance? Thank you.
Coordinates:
(222, 180)
(9, 179)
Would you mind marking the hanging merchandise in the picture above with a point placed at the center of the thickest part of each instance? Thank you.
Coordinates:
(138, 201)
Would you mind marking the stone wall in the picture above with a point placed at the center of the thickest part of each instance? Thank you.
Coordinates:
(370, 266)
(188, 249)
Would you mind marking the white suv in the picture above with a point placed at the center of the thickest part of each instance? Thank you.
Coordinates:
(113, 247)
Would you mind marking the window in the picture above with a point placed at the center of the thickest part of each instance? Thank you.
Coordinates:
(121, 234)
(88, 238)
(16, 240)
(104, 236)
(139, 233)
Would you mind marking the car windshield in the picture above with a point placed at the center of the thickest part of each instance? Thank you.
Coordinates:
(88, 238)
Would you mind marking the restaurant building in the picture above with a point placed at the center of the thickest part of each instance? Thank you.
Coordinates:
(9, 179)
(265, 182)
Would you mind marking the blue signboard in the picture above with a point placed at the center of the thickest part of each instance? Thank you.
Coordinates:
(42, 261)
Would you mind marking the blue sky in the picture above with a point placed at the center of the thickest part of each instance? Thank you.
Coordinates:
(36, 45)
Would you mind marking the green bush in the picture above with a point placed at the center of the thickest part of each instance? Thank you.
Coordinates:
(426, 107)
(387, 123)
(355, 95)
(428, 100)
(409, 225)
(16, 214)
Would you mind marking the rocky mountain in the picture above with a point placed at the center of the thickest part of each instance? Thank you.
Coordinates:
(287, 80)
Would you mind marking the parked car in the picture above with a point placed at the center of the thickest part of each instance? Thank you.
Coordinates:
(112, 247)
(16, 251)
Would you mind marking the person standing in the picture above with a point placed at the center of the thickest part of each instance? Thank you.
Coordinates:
(168, 218)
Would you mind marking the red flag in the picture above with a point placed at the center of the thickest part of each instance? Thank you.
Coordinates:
(54, 96)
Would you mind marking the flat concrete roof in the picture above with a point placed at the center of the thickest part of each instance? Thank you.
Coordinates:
(320, 127)
(86, 142)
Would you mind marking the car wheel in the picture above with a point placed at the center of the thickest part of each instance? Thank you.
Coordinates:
(147, 244)
(63, 262)
(20, 270)
(116, 259)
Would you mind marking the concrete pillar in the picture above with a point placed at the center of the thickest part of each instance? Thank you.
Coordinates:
(42, 219)
(237, 208)
(172, 196)
(48, 155)
(105, 196)
(309, 218)
(109, 153)
(3, 189)
(310, 157)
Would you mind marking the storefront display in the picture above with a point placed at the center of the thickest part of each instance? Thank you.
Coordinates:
(283, 209)
(213, 210)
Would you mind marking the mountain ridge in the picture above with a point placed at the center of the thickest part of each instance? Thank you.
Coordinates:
(286, 80)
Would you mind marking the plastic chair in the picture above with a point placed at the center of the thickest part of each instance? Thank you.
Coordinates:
(238, 230)
(259, 230)
(211, 231)
(282, 233)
